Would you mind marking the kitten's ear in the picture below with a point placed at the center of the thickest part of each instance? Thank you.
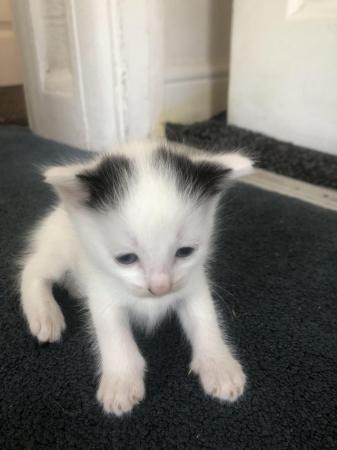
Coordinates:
(237, 163)
(66, 183)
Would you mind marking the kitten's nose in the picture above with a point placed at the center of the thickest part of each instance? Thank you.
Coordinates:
(160, 284)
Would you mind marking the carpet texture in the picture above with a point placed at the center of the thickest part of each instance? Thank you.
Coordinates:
(276, 275)
(281, 157)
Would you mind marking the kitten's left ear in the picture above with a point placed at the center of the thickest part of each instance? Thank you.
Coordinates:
(210, 173)
(238, 164)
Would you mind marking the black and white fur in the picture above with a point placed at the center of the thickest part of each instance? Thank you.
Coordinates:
(149, 200)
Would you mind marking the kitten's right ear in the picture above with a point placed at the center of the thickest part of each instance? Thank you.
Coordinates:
(238, 163)
(66, 183)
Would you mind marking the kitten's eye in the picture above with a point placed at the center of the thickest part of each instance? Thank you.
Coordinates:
(128, 258)
(183, 252)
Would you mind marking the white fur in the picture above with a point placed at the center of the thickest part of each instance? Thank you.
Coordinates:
(152, 221)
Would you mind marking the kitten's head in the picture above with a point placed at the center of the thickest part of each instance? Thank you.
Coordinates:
(145, 215)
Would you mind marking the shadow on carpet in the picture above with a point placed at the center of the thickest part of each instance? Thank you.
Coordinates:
(276, 271)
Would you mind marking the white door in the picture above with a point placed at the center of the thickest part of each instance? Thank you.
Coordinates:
(10, 67)
(98, 72)
(92, 69)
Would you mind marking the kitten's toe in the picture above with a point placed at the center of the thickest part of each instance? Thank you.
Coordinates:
(119, 394)
(222, 378)
(46, 322)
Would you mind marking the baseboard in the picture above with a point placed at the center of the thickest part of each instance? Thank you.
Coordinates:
(194, 92)
(195, 71)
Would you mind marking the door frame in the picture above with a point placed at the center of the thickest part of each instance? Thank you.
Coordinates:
(93, 71)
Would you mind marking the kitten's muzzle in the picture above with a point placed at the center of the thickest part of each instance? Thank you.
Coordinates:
(160, 284)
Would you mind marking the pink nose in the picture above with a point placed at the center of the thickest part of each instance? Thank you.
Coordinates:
(160, 284)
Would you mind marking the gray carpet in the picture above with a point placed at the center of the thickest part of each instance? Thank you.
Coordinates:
(280, 157)
(276, 271)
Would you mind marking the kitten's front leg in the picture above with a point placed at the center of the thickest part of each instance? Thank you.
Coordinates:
(220, 373)
(121, 384)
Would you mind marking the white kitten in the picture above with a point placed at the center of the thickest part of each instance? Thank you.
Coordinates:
(132, 231)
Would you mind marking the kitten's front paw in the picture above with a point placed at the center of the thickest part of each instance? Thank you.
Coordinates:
(118, 394)
(45, 321)
(222, 378)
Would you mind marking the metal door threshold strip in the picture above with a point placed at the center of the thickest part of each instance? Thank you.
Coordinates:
(320, 196)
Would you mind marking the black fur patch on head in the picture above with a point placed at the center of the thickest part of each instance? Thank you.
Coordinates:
(108, 181)
(200, 179)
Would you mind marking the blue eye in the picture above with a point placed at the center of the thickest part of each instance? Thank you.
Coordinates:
(128, 258)
(184, 252)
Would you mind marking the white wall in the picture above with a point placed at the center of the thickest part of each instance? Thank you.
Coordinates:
(283, 79)
(196, 55)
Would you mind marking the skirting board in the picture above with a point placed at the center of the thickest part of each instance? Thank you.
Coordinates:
(194, 99)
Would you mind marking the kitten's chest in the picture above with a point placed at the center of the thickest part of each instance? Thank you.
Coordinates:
(150, 313)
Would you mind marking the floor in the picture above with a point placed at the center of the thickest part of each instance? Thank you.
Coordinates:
(275, 285)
